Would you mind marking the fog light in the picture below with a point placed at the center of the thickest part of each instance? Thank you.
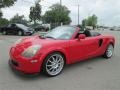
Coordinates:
(34, 61)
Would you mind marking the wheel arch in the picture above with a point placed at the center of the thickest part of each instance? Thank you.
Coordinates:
(111, 43)
(107, 40)
(105, 55)
(20, 30)
(56, 51)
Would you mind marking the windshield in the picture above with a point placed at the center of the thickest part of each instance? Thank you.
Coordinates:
(22, 26)
(64, 32)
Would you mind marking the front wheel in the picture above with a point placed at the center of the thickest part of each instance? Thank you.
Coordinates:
(109, 51)
(53, 64)
(4, 32)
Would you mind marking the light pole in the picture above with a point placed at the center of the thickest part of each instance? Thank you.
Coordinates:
(61, 10)
(60, 2)
(78, 14)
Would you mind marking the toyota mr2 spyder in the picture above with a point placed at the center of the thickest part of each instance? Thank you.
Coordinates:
(59, 47)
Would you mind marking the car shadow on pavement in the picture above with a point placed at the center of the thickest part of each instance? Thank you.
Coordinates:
(87, 64)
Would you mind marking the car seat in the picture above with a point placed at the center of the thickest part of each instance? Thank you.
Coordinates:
(87, 33)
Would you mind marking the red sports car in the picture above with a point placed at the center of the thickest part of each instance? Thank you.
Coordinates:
(62, 45)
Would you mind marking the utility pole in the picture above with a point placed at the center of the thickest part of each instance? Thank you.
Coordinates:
(61, 10)
(61, 2)
(78, 14)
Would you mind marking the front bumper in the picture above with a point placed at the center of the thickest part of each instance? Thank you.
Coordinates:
(25, 65)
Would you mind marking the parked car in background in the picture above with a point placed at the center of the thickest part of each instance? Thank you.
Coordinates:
(115, 28)
(41, 28)
(17, 29)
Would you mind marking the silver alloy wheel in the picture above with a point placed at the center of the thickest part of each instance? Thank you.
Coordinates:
(19, 33)
(4, 32)
(54, 64)
(109, 51)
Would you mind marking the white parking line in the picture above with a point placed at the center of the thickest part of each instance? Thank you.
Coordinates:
(8, 41)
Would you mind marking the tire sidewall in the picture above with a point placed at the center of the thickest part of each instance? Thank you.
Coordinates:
(45, 61)
(4, 32)
(105, 54)
(20, 33)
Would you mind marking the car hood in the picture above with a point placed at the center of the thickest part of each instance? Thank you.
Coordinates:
(35, 40)
(27, 29)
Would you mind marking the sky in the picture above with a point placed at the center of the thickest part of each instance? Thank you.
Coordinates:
(108, 11)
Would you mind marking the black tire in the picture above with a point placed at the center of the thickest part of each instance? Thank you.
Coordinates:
(109, 51)
(46, 61)
(20, 33)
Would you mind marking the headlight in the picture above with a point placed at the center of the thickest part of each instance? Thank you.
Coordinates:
(18, 41)
(31, 51)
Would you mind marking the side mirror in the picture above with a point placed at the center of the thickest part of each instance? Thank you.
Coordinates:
(82, 36)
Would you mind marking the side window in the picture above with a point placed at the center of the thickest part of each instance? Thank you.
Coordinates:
(9, 25)
(13, 25)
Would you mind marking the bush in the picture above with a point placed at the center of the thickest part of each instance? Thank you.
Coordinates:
(3, 22)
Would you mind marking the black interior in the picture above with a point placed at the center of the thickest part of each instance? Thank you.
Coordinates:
(88, 34)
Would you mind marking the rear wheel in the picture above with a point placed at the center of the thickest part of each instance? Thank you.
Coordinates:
(53, 64)
(20, 33)
(109, 51)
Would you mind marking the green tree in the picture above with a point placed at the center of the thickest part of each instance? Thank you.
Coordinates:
(89, 21)
(6, 3)
(57, 14)
(3, 22)
(35, 13)
(92, 21)
(1, 14)
(84, 22)
(18, 19)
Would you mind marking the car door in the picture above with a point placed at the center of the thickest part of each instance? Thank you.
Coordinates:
(11, 28)
(14, 29)
(82, 49)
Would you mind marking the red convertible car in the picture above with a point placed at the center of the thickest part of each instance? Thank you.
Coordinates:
(59, 47)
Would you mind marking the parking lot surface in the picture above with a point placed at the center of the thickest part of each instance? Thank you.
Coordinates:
(94, 74)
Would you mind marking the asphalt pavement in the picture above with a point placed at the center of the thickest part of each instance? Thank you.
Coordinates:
(95, 74)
